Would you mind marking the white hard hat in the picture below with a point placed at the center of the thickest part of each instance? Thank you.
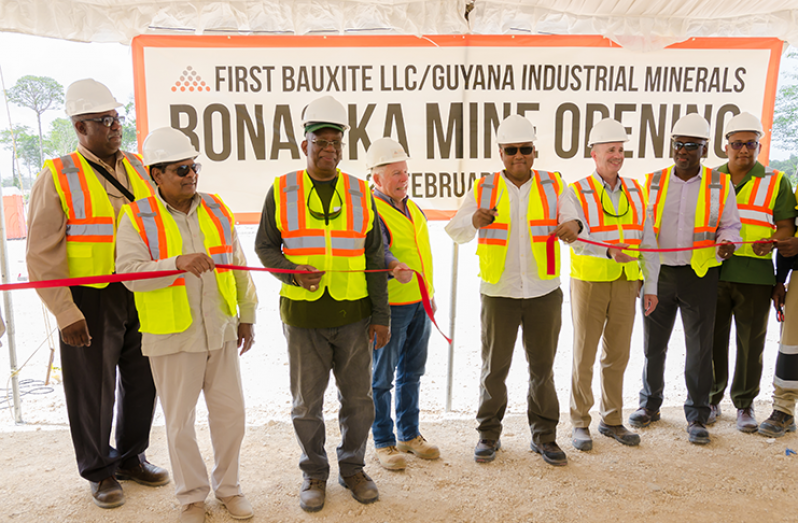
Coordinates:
(325, 110)
(167, 145)
(743, 122)
(515, 129)
(607, 131)
(383, 152)
(693, 125)
(89, 96)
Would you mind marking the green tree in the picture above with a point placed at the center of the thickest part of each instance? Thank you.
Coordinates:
(785, 116)
(129, 137)
(39, 94)
(788, 166)
(28, 152)
(62, 139)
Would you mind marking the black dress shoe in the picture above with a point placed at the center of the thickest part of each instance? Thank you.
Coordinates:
(697, 433)
(145, 473)
(551, 452)
(485, 451)
(107, 493)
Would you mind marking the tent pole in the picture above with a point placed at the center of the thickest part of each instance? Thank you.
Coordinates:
(452, 316)
(7, 302)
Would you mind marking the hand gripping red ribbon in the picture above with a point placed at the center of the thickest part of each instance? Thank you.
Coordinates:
(135, 276)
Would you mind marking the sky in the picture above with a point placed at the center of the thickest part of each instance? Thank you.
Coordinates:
(111, 64)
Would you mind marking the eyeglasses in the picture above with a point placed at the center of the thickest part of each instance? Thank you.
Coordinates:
(324, 215)
(107, 121)
(512, 151)
(752, 145)
(688, 146)
(183, 170)
(337, 144)
(604, 208)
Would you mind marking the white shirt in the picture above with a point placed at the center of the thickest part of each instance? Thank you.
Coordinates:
(520, 277)
(571, 209)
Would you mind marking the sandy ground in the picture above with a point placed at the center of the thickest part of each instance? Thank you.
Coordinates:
(737, 477)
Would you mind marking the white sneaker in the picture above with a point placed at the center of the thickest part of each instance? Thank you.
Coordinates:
(390, 458)
(420, 448)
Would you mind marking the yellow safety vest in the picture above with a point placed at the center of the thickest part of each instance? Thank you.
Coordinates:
(712, 195)
(91, 223)
(489, 193)
(410, 245)
(755, 203)
(332, 247)
(606, 228)
(167, 311)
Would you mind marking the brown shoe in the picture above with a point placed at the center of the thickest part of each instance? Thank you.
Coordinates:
(312, 494)
(777, 425)
(643, 417)
(420, 447)
(551, 453)
(145, 473)
(697, 433)
(486, 449)
(107, 493)
(362, 487)
(620, 434)
(746, 422)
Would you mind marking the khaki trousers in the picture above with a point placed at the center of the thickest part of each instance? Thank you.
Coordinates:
(179, 379)
(785, 382)
(601, 311)
(540, 320)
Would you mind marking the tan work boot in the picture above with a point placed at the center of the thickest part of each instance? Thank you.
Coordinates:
(420, 447)
(193, 513)
(390, 458)
(237, 506)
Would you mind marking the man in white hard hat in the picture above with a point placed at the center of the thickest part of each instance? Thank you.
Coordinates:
(605, 282)
(322, 222)
(406, 243)
(766, 205)
(71, 225)
(192, 324)
(514, 212)
(693, 206)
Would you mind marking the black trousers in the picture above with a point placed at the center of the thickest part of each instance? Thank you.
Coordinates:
(680, 289)
(90, 381)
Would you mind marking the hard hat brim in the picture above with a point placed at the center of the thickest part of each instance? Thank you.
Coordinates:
(315, 126)
(99, 109)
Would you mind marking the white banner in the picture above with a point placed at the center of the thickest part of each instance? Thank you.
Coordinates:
(240, 99)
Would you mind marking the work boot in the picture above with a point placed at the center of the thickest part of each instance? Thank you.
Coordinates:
(390, 458)
(420, 447)
(777, 425)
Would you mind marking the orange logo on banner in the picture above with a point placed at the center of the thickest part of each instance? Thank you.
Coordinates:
(190, 81)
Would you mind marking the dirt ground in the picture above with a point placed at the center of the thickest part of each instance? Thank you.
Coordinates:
(737, 478)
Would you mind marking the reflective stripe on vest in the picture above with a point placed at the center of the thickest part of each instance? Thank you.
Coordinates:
(756, 200)
(153, 232)
(540, 230)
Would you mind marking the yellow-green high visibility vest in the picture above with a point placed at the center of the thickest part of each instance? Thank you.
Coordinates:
(410, 245)
(712, 195)
(755, 203)
(606, 228)
(490, 193)
(308, 239)
(91, 223)
(167, 311)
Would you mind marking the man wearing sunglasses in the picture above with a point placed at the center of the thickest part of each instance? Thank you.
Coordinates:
(767, 210)
(605, 282)
(193, 324)
(693, 206)
(322, 222)
(514, 212)
(72, 220)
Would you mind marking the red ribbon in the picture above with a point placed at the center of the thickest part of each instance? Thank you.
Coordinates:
(135, 276)
(550, 256)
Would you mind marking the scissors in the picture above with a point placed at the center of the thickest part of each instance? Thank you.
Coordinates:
(780, 314)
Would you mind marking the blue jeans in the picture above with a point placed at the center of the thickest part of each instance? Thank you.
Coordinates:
(405, 355)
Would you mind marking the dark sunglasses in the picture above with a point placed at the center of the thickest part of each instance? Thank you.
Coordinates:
(107, 121)
(752, 145)
(512, 151)
(183, 170)
(326, 216)
(689, 146)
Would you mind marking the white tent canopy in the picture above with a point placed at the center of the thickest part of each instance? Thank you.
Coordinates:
(640, 24)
